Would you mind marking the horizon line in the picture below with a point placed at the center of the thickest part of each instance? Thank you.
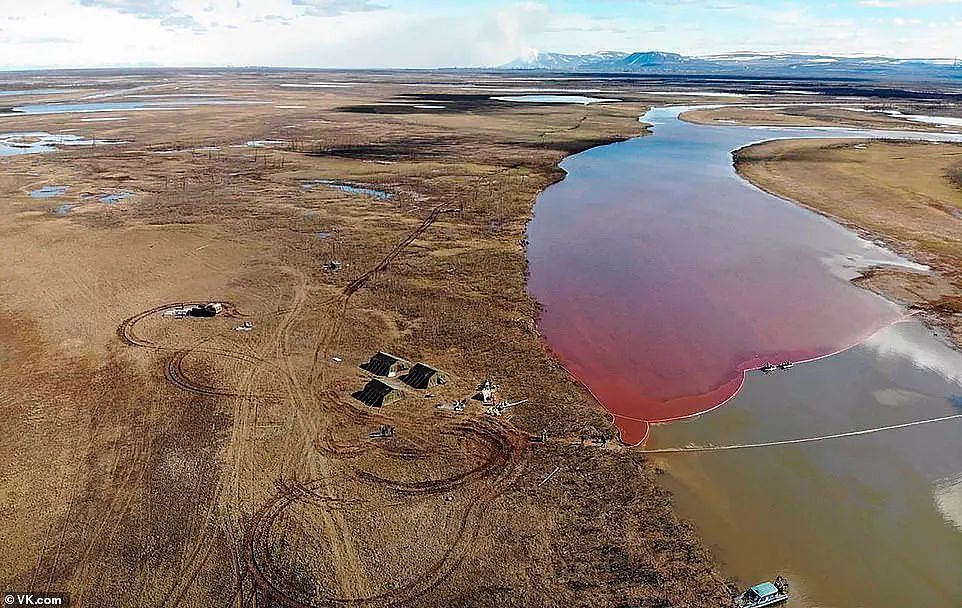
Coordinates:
(520, 58)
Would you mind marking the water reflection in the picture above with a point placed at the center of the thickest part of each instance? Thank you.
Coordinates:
(116, 197)
(48, 191)
(346, 187)
(861, 521)
(582, 99)
(940, 364)
(37, 142)
(666, 278)
(114, 106)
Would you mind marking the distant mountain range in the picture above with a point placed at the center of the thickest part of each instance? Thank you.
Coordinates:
(745, 64)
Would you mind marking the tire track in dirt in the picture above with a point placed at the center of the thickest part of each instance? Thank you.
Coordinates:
(126, 329)
(506, 452)
(348, 574)
(199, 551)
(110, 501)
(175, 374)
(514, 457)
(302, 396)
(496, 445)
(359, 282)
(116, 502)
(240, 443)
(339, 538)
(341, 545)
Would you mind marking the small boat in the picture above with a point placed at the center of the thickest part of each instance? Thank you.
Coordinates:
(786, 365)
(768, 367)
(764, 594)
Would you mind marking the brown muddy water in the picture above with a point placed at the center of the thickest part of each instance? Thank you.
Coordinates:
(666, 279)
(871, 520)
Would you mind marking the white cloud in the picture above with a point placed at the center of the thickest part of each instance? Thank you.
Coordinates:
(906, 3)
(333, 8)
(162, 10)
(409, 33)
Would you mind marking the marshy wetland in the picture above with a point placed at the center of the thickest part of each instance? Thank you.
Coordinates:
(179, 461)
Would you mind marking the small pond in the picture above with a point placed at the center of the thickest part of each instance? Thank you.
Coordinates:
(116, 197)
(48, 191)
(346, 187)
(582, 99)
(13, 144)
(262, 143)
(115, 106)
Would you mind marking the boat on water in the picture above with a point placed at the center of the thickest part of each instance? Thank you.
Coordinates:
(786, 365)
(768, 593)
(768, 367)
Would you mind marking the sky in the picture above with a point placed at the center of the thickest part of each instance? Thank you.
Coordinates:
(455, 33)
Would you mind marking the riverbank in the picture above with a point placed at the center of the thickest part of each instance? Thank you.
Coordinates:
(906, 194)
(183, 461)
(807, 115)
(692, 285)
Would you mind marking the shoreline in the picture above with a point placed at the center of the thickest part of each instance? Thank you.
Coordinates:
(743, 369)
(549, 353)
(456, 299)
(939, 322)
(775, 116)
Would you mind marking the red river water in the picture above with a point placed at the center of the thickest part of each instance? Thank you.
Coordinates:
(664, 276)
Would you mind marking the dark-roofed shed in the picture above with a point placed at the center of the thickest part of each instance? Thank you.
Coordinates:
(423, 376)
(386, 364)
(378, 393)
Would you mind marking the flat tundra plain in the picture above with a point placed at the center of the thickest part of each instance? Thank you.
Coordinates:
(151, 460)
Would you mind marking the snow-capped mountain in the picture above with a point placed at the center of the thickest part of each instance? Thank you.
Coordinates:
(613, 60)
(560, 61)
(745, 63)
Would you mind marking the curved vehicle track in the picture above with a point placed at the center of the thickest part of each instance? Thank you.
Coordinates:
(500, 451)
(510, 452)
